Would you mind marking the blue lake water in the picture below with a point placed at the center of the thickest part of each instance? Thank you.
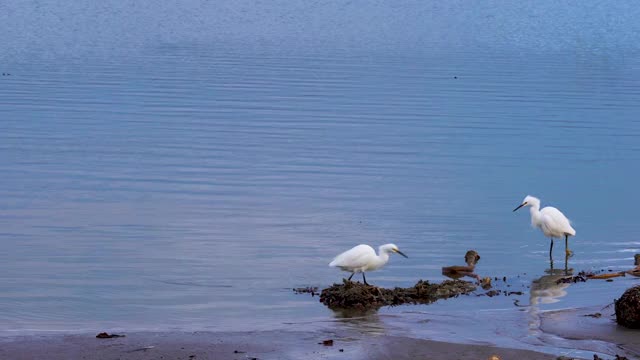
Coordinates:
(183, 166)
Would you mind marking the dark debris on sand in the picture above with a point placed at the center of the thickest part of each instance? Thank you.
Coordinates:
(355, 295)
(618, 357)
(104, 335)
(594, 315)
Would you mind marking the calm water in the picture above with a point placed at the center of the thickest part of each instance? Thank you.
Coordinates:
(170, 167)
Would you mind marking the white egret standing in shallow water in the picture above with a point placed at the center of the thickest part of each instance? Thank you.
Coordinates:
(363, 258)
(550, 220)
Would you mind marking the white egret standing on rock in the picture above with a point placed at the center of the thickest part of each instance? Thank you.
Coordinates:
(550, 220)
(363, 258)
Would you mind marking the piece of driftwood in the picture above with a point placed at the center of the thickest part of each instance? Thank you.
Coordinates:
(635, 271)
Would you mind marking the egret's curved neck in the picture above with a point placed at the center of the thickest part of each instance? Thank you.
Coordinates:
(535, 214)
(383, 257)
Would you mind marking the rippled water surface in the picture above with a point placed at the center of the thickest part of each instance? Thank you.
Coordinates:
(184, 166)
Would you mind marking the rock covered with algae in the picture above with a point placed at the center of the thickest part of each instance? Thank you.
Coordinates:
(628, 308)
(355, 295)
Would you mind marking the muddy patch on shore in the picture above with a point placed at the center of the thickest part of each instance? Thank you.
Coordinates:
(354, 295)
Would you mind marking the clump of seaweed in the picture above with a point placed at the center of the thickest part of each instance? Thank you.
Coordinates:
(354, 295)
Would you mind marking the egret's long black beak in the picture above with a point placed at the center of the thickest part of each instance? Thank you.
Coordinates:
(401, 253)
(521, 205)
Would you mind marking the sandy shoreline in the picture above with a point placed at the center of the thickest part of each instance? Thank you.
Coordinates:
(561, 332)
(248, 345)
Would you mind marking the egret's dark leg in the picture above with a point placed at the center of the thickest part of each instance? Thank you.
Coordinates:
(351, 276)
(551, 250)
(365, 279)
(566, 245)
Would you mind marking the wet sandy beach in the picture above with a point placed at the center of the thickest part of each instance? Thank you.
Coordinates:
(592, 328)
(249, 345)
(573, 333)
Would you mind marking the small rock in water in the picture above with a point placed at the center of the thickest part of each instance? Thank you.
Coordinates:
(327, 342)
(486, 283)
(307, 290)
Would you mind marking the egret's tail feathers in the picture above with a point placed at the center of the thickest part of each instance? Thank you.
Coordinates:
(571, 231)
(334, 263)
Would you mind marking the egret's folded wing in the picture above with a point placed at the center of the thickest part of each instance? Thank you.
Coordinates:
(555, 220)
(354, 258)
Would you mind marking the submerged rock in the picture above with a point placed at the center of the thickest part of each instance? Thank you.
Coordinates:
(353, 295)
(628, 308)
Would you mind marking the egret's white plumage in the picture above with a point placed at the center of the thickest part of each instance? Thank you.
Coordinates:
(550, 220)
(363, 258)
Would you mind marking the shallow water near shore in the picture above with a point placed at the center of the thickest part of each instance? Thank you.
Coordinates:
(189, 180)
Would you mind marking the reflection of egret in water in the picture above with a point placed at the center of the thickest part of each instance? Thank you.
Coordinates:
(363, 321)
(545, 290)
